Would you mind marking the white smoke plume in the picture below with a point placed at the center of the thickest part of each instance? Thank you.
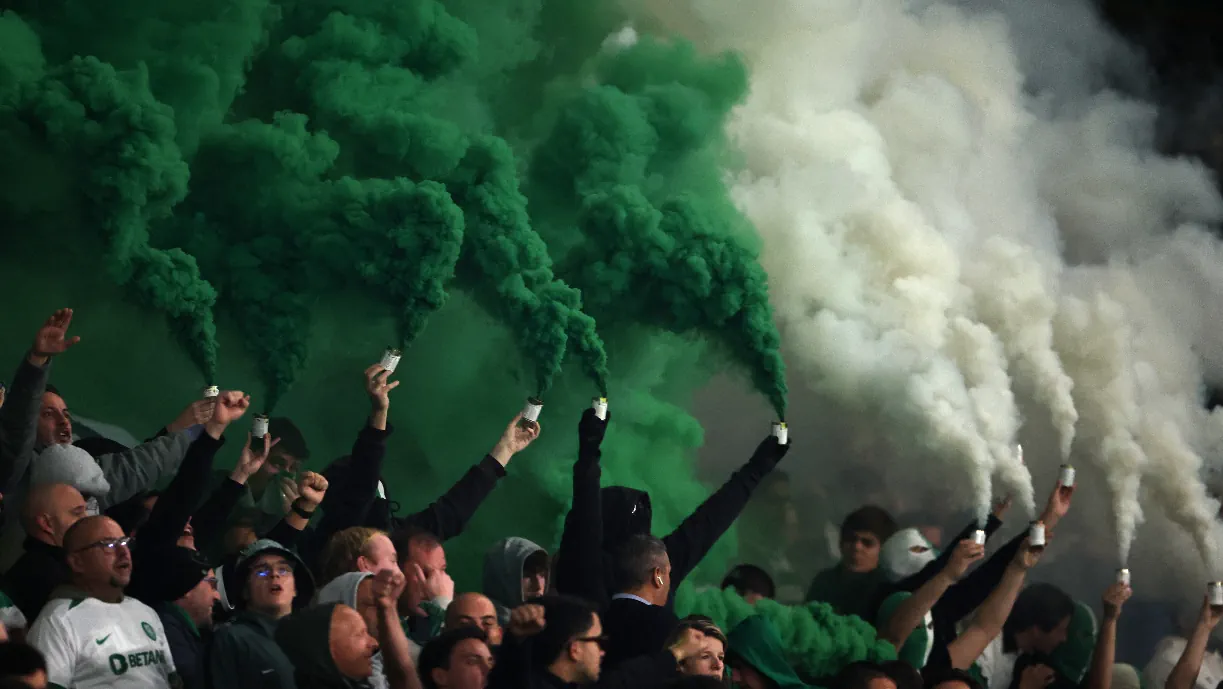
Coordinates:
(958, 212)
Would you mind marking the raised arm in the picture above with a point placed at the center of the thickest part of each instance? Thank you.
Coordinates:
(693, 538)
(19, 415)
(579, 564)
(913, 610)
(965, 649)
(447, 517)
(1100, 675)
(396, 652)
(1185, 673)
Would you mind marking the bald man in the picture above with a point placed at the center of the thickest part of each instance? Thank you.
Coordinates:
(49, 511)
(475, 610)
(90, 633)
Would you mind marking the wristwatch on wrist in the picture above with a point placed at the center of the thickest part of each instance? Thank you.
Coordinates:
(297, 509)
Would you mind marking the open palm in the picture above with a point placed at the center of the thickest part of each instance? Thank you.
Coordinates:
(52, 338)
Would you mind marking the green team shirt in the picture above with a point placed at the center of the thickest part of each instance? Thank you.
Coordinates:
(91, 644)
(916, 648)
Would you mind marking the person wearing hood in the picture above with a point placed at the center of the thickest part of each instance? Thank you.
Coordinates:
(356, 590)
(515, 571)
(756, 658)
(625, 512)
(37, 418)
(90, 633)
(331, 647)
(265, 584)
(914, 566)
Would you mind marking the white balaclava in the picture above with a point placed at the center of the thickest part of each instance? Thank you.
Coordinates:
(905, 554)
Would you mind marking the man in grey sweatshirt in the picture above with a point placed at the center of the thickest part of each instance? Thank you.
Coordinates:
(35, 417)
(515, 571)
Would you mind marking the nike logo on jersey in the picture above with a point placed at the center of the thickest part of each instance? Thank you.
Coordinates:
(103, 639)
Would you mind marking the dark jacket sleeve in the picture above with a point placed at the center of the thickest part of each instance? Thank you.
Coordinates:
(916, 581)
(350, 492)
(19, 421)
(512, 669)
(968, 594)
(210, 520)
(284, 534)
(448, 516)
(173, 508)
(693, 538)
(579, 563)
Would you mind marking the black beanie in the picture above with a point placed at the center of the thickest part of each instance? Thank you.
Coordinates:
(291, 439)
(168, 574)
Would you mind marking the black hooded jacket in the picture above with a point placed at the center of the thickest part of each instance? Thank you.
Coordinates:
(305, 638)
(626, 512)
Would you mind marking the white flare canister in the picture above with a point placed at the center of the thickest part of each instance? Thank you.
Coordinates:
(1123, 576)
(1066, 479)
(978, 537)
(781, 432)
(212, 391)
(599, 404)
(532, 409)
(260, 426)
(390, 359)
(1215, 590)
(1036, 535)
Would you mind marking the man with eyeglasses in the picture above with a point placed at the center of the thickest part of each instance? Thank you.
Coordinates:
(90, 633)
(266, 581)
(557, 641)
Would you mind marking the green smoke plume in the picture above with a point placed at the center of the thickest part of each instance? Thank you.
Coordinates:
(816, 640)
(638, 156)
(337, 175)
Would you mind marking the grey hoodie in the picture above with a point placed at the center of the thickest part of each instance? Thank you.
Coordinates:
(503, 573)
(343, 589)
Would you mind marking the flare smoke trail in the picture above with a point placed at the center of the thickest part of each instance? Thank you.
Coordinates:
(335, 175)
(937, 184)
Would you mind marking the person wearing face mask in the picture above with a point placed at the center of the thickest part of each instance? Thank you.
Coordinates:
(515, 571)
(266, 582)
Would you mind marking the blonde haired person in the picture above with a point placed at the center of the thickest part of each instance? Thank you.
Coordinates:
(358, 549)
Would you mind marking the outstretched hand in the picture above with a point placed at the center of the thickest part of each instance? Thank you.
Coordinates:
(516, 437)
(966, 552)
(251, 460)
(197, 413)
(230, 406)
(388, 586)
(1058, 505)
(1114, 597)
(52, 338)
(377, 387)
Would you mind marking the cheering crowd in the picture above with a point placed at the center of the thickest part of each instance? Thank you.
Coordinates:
(146, 566)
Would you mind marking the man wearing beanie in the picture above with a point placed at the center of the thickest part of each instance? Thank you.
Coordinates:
(182, 594)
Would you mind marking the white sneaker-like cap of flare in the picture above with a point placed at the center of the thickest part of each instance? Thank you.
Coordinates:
(212, 391)
(260, 426)
(978, 537)
(781, 432)
(531, 411)
(390, 359)
(1123, 576)
(1067, 476)
(599, 404)
(1036, 535)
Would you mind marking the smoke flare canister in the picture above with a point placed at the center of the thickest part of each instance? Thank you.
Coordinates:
(390, 359)
(781, 432)
(1123, 577)
(1067, 476)
(1036, 535)
(599, 404)
(978, 537)
(531, 411)
(260, 426)
(1215, 590)
(212, 391)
